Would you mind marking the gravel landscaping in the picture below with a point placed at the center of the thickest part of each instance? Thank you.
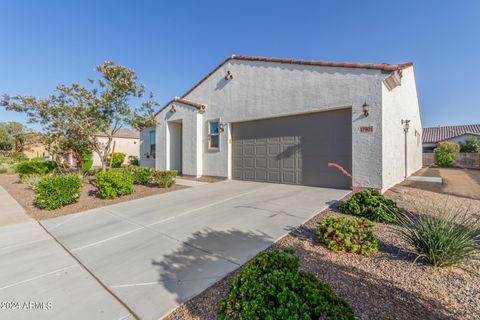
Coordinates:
(386, 285)
(88, 199)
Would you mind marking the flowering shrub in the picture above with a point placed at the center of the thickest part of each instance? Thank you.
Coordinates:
(164, 179)
(341, 234)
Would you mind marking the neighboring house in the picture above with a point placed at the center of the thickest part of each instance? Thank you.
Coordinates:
(453, 134)
(36, 150)
(147, 147)
(294, 121)
(126, 141)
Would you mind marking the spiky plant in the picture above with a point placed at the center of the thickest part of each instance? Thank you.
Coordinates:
(441, 236)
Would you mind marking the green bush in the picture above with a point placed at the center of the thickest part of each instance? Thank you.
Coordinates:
(118, 158)
(271, 287)
(113, 184)
(35, 167)
(441, 237)
(446, 154)
(133, 161)
(141, 175)
(87, 163)
(371, 204)
(3, 170)
(164, 179)
(341, 234)
(471, 146)
(53, 192)
(19, 156)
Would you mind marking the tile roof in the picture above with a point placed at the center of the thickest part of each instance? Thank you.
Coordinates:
(189, 103)
(124, 133)
(437, 134)
(376, 66)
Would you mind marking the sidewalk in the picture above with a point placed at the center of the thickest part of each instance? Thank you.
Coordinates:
(10, 211)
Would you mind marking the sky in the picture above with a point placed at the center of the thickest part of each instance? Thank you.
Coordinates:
(173, 44)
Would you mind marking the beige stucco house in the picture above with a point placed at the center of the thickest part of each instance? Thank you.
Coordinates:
(126, 141)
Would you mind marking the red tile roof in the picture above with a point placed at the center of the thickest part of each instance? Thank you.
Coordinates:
(376, 66)
(189, 103)
(437, 134)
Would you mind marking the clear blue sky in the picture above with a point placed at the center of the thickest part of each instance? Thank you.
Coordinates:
(172, 44)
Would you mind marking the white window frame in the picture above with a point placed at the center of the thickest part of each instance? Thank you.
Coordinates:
(210, 134)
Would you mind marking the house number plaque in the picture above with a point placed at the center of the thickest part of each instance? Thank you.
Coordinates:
(366, 129)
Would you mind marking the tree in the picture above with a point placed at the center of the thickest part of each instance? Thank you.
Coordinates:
(12, 136)
(73, 115)
(471, 146)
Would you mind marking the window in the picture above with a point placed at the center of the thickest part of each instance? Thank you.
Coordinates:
(152, 143)
(213, 134)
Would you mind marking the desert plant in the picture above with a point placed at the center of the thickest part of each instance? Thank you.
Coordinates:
(371, 204)
(341, 234)
(113, 184)
(133, 161)
(30, 180)
(440, 236)
(53, 192)
(271, 286)
(141, 175)
(35, 167)
(164, 179)
(117, 160)
(471, 146)
(446, 154)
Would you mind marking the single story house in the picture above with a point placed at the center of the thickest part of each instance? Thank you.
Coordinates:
(453, 134)
(126, 141)
(314, 123)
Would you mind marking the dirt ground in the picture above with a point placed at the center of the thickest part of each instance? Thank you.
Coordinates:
(456, 181)
(388, 285)
(88, 200)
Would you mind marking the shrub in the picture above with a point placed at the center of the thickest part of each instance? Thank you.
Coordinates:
(272, 287)
(118, 158)
(3, 170)
(87, 163)
(133, 161)
(113, 184)
(30, 180)
(471, 146)
(341, 234)
(19, 156)
(441, 237)
(164, 179)
(371, 204)
(53, 192)
(446, 154)
(141, 175)
(35, 167)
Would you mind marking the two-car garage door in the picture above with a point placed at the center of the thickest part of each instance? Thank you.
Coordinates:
(295, 149)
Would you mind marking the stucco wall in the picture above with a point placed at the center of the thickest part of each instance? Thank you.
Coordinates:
(401, 103)
(145, 148)
(264, 90)
(129, 146)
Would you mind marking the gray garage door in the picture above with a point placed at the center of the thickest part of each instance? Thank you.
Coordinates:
(294, 149)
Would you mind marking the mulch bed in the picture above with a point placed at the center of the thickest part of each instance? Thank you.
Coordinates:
(88, 199)
(387, 285)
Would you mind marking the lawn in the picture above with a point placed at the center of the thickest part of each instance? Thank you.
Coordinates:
(389, 284)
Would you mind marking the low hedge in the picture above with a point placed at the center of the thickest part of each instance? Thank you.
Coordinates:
(141, 175)
(113, 184)
(371, 204)
(271, 286)
(53, 192)
(341, 234)
(35, 167)
(164, 179)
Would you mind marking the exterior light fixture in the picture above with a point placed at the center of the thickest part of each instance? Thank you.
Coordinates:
(229, 75)
(406, 125)
(366, 109)
(172, 109)
(221, 127)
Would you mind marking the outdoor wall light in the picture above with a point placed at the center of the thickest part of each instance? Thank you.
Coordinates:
(229, 75)
(406, 125)
(172, 109)
(366, 109)
(221, 127)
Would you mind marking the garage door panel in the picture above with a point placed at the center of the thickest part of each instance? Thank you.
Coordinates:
(295, 149)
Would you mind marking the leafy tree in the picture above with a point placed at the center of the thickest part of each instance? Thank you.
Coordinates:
(471, 146)
(12, 136)
(73, 115)
(446, 154)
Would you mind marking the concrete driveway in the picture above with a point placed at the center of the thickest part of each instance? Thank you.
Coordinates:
(157, 252)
